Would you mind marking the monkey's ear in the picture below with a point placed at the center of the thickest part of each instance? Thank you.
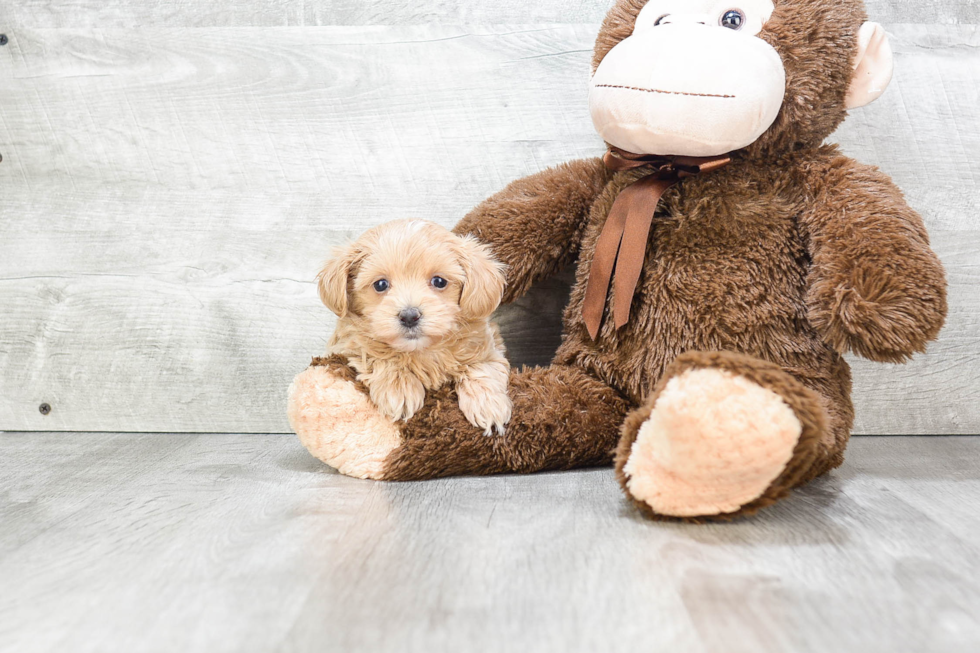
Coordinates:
(873, 66)
(484, 284)
(333, 278)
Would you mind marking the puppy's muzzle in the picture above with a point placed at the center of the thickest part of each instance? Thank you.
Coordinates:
(410, 317)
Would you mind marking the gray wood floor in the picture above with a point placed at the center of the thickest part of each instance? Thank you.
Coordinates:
(114, 542)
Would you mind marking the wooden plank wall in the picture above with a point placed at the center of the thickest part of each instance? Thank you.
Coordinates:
(294, 13)
(174, 173)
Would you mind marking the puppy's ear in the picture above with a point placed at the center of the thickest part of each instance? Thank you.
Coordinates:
(333, 278)
(484, 284)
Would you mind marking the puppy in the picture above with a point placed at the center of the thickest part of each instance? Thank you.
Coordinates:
(413, 302)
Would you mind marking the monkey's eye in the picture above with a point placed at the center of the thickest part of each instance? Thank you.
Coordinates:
(659, 20)
(732, 19)
(439, 283)
(381, 285)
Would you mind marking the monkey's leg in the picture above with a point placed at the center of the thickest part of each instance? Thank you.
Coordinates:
(562, 418)
(724, 435)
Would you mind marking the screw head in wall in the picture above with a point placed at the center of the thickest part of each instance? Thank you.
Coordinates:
(45, 408)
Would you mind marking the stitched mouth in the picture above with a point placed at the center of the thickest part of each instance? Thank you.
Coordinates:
(656, 90)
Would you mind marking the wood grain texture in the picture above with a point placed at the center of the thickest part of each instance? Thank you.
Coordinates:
(437, 117)
(282, 13)
(363, 113)
(169, 193)
(220, 543)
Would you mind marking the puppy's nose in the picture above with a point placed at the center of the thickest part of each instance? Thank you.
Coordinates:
(409, 317)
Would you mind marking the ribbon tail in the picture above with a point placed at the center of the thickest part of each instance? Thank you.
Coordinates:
(603, 261)
(644, 198)
(621, 247)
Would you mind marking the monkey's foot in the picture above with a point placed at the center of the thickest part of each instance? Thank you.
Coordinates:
(714, 442)
(335, 420)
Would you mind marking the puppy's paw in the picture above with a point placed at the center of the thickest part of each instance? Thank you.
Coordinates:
(399, 396)
(484, 404)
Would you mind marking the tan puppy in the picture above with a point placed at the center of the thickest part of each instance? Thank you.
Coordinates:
(414, 302)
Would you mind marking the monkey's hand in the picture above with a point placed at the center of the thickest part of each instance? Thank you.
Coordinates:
(873, 311)
(874, 287)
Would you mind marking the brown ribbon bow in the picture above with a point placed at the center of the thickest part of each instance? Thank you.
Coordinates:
(622, 243)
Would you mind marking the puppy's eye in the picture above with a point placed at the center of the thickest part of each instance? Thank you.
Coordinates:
(732, 19)
(660, 20)
(381, 285)
(439, 283)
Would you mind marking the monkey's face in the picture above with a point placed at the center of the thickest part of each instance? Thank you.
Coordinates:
(692, 79)
(707, 77)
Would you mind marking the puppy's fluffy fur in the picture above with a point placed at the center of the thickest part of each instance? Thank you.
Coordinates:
(389, 277)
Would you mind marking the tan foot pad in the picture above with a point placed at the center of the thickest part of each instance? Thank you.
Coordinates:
(713, 443)
(338, 424)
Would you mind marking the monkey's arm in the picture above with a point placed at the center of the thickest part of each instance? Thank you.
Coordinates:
(875, 286)
(534, 226)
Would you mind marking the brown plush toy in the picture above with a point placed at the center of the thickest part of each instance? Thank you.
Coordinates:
(726, 260)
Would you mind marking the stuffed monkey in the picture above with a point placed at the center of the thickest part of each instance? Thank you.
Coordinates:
(726, 260)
